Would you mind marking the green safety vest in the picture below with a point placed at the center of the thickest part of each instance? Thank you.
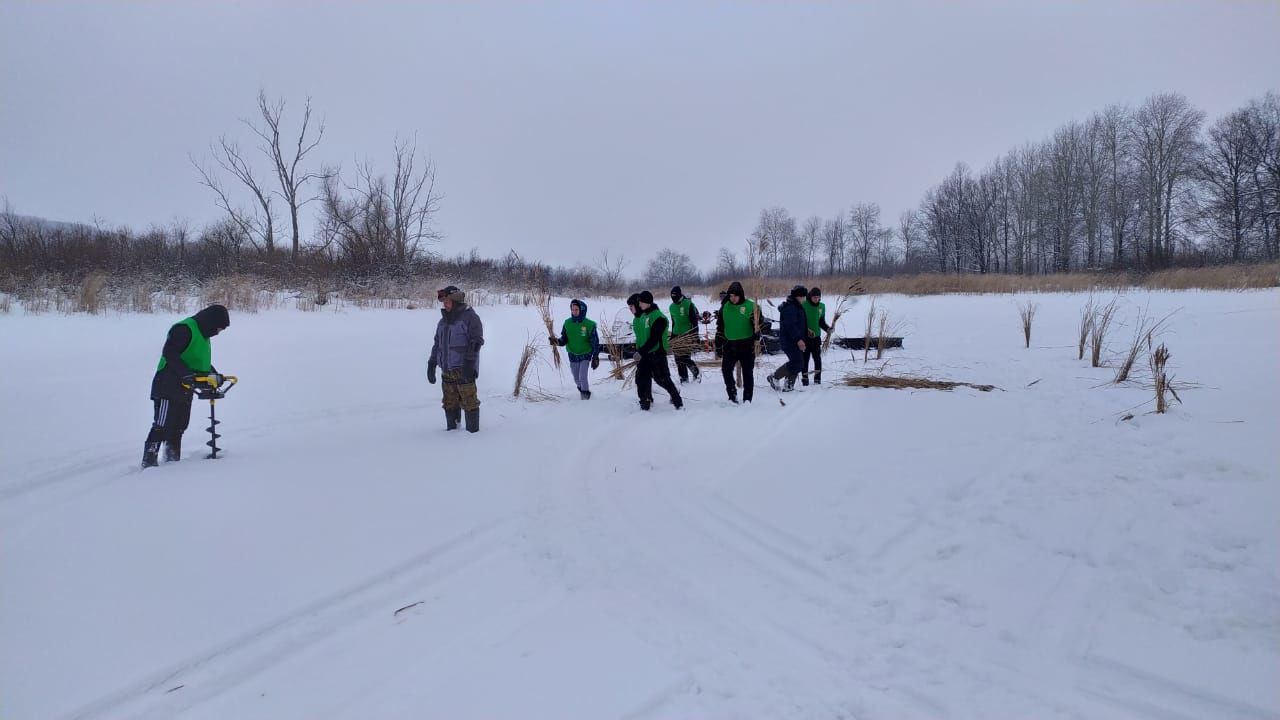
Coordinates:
(199, 355)
(578, 335)
(642, 324)
(681, 323)
(813, 313)
(739, 320)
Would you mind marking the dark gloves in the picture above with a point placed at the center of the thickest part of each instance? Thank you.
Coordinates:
(431, 373)
(595, 362)
(553, 340)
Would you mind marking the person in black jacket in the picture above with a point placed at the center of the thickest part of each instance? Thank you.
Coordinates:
(186, 353)
(652, 335)
(792, 334)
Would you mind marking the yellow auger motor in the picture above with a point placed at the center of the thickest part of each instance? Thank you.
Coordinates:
(212, 387)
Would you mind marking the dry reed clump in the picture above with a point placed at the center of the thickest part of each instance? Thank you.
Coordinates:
(885, 330)
(1157, 359)
(1144, 330)
(92, 290)
(866, 338)
(1086, 323)
(841, 307)
(684, 345)
(542, 299)
(522, 368)
(909, 382)
(1027, 311)
(1098, 331)
(239, 293)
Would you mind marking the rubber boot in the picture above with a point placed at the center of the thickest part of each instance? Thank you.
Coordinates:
(473, 421)
(150, 454)
(173, 450)
(451, 418)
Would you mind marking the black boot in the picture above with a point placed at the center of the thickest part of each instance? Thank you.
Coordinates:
(584, 394)
(173, 450)
(646, 404)
(733, 397)
(817, 378)
(451, 418)
(150, 454)
(804, 379)
(473, 420)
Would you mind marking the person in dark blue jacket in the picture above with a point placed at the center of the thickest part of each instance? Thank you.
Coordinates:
(792, 334)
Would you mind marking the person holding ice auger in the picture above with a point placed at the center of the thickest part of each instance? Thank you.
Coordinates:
(684, 324)
(815, 312)
(653, 339)
(456, 352)
(579, 338)
(187, 353)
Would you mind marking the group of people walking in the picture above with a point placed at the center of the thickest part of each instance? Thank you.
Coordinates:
(455, 354)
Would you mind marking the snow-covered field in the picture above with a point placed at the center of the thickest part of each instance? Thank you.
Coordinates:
(855, 554)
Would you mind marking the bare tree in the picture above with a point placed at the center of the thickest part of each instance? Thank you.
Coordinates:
(909, 234)
(864, 231)
(611, 269)
(257, 225)
(1165, 133)
(286, 161)
(811, 235)
(834, 237)
(414, 202)
(670, 267)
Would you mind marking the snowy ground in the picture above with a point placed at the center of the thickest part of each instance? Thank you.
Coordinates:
(854, 554)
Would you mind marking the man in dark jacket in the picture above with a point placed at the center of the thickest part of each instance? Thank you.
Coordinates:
(187, 352)
(684, 324)
(456, 352)
(739, 326)
(792, 332)
(653, 339)
(579, 338)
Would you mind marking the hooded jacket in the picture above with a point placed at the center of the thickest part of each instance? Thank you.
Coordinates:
(738, 321)
(166, 384)
(459, 337)
(794, 324)
(575, 325)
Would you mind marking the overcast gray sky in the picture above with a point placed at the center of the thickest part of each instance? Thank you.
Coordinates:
(560, 129)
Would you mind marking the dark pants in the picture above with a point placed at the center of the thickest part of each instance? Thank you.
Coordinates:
(742, 353)
(813, 349)
(651, 369)
(685, 363)
(171, 420)
(794, 364)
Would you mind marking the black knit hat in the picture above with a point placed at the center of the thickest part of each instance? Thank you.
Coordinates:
(676, 293)
(634, 299)
(799, 291)
(645, 297)
(815, 290)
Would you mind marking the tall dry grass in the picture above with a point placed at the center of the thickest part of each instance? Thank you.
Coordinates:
(1145, 328)
(866, 335)
(92, 289)
(1027, 312)
(1087, 314)
(1157, 360)
(1098, 331)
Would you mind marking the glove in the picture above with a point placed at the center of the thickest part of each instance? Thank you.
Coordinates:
(469, 374)
(553, 340)
(595, 362)
(431, 373)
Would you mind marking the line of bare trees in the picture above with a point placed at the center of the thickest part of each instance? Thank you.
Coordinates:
(1146, 187)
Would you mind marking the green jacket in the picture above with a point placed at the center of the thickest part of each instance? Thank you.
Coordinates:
(644, 325)
(199, 354)
(684, 316)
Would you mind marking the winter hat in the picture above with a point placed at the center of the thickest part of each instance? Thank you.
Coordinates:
(815, 290)
(634, 300)
(735, 288)
(452, 293)
(645, 297)
(213, 320)
(676, 293)
(799, 291)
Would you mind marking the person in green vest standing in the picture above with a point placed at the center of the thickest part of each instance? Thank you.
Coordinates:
(739, 323)
(684, 324)
(816, 314)
(187, 351)
(653, 339)
(579, 338)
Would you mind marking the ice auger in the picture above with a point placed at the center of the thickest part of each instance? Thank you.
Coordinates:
(212, 387)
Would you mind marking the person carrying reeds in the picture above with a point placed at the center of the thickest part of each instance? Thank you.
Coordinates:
(737, 324)
(815, 312)
(684, 325)
(186, 352)
(653, 339)
(579, 338)
(456, 352)
(792, 331)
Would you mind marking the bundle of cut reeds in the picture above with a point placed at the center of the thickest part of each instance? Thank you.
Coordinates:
(902, 382)
(542, 298)
(526, 359)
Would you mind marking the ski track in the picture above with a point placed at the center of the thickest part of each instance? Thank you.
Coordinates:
(221, 668)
